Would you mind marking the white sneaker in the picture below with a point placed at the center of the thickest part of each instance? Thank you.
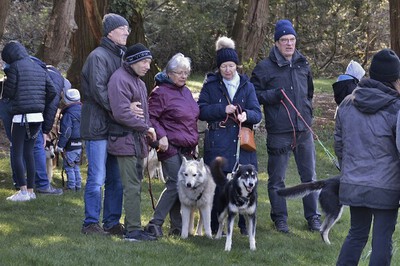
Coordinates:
(32, 195)
(19, 196)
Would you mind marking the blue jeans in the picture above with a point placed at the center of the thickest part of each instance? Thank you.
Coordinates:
(41, 179)
(102, 170)
(384, 222)
(71, 162)
(279, 151)
(6, 117)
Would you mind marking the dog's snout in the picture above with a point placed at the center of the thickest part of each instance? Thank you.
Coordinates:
(189, 185)
(52, 156)
(251, 185)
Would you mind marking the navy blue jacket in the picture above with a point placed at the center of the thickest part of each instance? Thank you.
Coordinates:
(221, 141)
(275, 73)
(28, 85)
(70, 124)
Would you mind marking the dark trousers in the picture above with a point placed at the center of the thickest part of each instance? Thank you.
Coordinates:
(279, 151)
(23, 138)
(384, 222)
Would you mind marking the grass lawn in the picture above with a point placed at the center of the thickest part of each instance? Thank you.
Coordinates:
(46, 231)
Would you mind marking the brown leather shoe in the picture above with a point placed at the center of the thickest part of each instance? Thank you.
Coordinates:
(116, 230)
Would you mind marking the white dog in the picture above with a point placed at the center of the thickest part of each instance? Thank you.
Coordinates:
(196, 189)
(50, 156)
(152, 166)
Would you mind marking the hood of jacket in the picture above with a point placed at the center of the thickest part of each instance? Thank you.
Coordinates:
(370, 96)
(13, 51)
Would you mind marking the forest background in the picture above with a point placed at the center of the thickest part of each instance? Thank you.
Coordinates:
(330, 33)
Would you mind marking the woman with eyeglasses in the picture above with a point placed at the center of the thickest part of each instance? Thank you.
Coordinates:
(173, 113)
(227, 94)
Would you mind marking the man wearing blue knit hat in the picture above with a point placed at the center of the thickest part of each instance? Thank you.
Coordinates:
(282, 79)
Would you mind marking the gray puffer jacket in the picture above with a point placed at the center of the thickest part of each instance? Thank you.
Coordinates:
(365, 143)
(98, 68)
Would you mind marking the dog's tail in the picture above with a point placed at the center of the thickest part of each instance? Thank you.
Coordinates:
(216, 171)
(302, 190)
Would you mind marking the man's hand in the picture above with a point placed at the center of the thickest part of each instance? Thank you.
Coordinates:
(151, 133)
(46, 137)
(163, 143)
(135, 107)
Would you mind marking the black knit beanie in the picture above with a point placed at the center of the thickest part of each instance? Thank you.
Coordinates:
(136, 53)
(226, 51)
(112, 21)
(385, 66)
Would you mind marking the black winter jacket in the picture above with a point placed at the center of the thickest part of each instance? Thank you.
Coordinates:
(28, 85)
(97, 70)
(275, 73)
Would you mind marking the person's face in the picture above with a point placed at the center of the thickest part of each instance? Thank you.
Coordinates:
(141, 67)
(228, 70)
(286, 45)
(119, 35)
(179, 76)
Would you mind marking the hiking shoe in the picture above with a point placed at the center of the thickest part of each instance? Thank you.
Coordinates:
(32, 195)
(314, 223)
(243, 231)
(20, 196)
(174, 232)
(116, 230)
(50, 191)
(93, 229)
(153, 230)
(138, 236)
(281, 226)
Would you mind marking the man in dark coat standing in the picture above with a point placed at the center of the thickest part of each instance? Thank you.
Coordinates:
(284, 77)
(102, 167)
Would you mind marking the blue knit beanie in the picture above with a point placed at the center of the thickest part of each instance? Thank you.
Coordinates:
(112, 21)
(226, 51)
(283, 27)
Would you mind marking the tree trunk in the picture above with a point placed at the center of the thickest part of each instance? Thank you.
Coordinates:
(138, 36)
(250, 30)
(394, 10)
(5, 7)
(84, 40)
(61, 26)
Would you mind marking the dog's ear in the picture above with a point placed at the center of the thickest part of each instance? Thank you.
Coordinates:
(201, 162)
(184, 160)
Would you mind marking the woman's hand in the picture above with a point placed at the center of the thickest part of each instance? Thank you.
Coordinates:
(230, 109)
(163, 143)
(242, 117)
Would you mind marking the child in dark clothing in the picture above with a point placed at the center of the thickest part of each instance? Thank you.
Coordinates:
(70, 143)
(348, 81)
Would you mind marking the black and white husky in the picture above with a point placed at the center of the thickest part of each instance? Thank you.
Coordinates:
(328, 199)
(238, 195)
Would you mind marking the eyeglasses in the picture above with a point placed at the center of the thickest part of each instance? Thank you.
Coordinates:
(125, 28)
(287, 40)
(182, 73)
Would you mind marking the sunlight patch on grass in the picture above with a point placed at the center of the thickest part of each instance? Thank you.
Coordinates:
(45, 241)
(323, 85)
(6, 228)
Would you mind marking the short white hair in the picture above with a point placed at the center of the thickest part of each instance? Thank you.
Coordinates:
(178, 61)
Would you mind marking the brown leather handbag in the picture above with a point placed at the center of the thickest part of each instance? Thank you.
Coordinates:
(247, 141)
